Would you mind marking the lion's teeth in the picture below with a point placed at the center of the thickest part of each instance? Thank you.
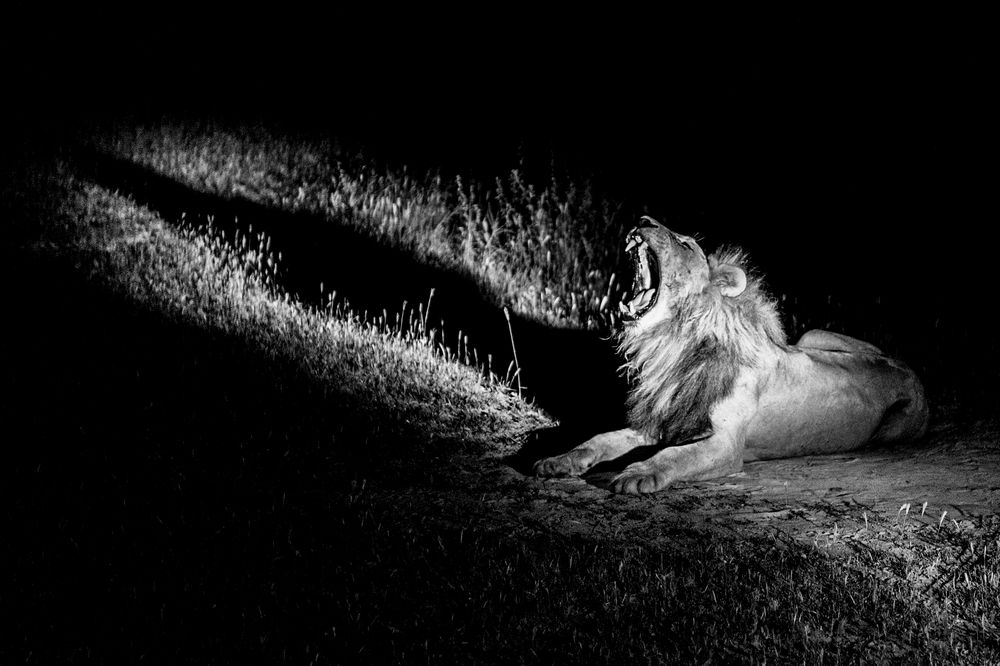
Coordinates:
(631, 244)
(622, 308)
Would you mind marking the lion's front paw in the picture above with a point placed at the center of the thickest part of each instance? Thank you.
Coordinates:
(574, 463)
(640, 478)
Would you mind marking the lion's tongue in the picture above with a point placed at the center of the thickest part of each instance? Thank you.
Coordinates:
(639, 303)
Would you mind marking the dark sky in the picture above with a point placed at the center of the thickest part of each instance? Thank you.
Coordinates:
(837, 135)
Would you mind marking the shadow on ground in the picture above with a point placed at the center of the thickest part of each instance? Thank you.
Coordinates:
(171, 490)
(571, 374)
(546, 442)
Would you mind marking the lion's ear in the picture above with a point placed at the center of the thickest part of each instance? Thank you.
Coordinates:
(731, 280)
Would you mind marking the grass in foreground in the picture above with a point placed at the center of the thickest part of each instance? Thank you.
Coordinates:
(205, 472)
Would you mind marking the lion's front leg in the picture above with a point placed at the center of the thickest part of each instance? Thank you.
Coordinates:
(606, 446)
(715, 456)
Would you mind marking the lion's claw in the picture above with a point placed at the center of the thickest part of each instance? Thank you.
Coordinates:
(640, 479)
(574, 463)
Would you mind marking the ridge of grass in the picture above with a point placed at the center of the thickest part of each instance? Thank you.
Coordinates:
(227, 286)
(545, 252)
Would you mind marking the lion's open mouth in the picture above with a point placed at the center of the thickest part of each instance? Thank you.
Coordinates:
(645, 278)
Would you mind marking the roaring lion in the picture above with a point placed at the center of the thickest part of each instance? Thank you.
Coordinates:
(716, 382)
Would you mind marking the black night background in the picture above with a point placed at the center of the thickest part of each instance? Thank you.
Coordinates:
(188, 489)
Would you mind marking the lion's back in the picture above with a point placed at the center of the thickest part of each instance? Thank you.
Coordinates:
(892, 381)
(830, 341)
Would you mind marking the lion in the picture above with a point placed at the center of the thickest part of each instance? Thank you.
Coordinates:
(716, 384)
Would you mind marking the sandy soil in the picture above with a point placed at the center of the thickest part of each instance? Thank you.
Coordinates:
(913, 510)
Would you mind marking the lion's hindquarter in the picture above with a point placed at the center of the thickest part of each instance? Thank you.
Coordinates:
(818, 401)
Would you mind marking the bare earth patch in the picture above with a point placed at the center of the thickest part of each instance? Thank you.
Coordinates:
(912, 511)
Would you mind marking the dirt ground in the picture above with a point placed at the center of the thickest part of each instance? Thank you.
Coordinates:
(912, 510)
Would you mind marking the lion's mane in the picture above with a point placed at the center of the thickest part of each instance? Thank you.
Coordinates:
(684, 364)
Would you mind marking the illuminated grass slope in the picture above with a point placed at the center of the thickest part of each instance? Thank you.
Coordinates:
(227, 287)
